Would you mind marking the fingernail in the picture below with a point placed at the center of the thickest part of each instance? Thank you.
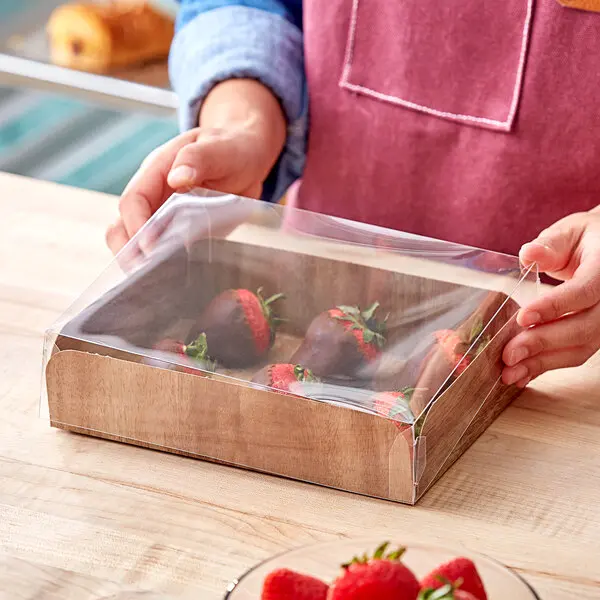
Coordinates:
(516, 374)
(539, 243)
(528, 246)
(181, 176)
(530, 318)
(517, 355)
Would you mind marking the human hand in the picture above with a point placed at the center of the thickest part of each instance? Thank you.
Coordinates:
(241, 134)
(563, 325)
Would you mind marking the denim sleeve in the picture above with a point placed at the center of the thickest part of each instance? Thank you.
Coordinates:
(259, 39)
(291, 10)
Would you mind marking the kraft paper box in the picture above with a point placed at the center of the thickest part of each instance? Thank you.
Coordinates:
(374, 372)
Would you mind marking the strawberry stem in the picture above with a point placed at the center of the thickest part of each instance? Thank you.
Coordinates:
(476, 329)
(273, 298)
(379, 554)
(364, 321)
(381, 550)
(302, 374)
(272, 319)
(198, 350)
(445, 592)
(368, 314)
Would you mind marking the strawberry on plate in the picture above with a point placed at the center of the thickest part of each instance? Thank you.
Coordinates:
(448, 591)
(284, 377)
(380, 577)
(457, 571)
(341, 340)
(284, 584)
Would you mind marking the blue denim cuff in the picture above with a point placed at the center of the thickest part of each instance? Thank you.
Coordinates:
(291, 10)
(291, 164)
(234, 42)
(238, 41)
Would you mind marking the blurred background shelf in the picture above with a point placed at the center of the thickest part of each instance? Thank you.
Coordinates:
(24, 61)
(111, 91)
(76, 128)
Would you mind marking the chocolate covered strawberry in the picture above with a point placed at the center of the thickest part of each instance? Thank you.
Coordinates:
(284, 377)
(380, 577)
(284, 584)
(454, 349)
(239, 326)
(340, 341)
(195, 354)
(461, 572)
(396, 407)
(457, 350)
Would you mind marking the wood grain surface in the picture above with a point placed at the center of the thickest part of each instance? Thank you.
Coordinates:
(85, 518)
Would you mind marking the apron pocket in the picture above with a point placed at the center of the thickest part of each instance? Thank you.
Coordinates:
(461, 60)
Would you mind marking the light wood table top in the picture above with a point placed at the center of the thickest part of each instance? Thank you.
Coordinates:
(81, 518)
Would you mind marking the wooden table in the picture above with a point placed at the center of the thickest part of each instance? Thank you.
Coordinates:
(81, 517)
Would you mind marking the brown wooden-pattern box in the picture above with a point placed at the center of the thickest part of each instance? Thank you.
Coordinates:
(103, 379)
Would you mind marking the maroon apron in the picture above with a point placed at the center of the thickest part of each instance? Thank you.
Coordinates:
(473, 121)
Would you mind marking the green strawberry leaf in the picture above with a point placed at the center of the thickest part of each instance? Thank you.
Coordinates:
(265, 305)
(445, 592)
(381, 550)
(396, 555)
(419, 425)
(379, 554)
(476, 329)
(198, 350)
(369, 313)
(363, 321)
(304, 375)
(273, 298)
(379, 340)
(349, 310)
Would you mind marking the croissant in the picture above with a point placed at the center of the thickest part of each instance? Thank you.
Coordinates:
(105, 37)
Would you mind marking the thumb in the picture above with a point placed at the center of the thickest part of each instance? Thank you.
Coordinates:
(221, 160)
(552, 251)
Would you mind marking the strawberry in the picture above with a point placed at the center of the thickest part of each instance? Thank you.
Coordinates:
(459, 571)
(283, 584)
(458, 351)
(448, 591)
(283, 377)
(380, 577)
(463, 595)
(197, 351)
(454, 349)
(239, 327)
(341, 340)
(395, 406)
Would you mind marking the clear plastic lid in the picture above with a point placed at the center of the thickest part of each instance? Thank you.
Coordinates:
(271, 297)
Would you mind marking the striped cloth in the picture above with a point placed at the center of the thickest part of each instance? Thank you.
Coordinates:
(60, 139)
(9, 8)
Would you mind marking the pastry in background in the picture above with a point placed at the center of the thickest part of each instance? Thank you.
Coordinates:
(108, 36)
